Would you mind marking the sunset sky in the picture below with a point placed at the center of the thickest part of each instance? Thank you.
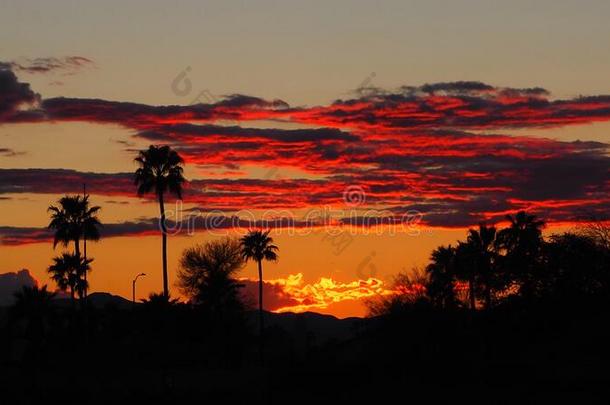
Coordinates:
(438, 115)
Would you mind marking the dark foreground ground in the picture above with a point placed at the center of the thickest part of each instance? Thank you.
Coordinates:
(547, 353)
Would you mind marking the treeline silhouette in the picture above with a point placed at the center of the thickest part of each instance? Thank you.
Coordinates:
(503, 316)
(504, 267)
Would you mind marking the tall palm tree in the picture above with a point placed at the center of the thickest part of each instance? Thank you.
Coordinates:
(90, 229)
(466, 270)
(441, 273)
(258, 246)
(68, 271)
(66, 221)
(483, 246)
(160, 171)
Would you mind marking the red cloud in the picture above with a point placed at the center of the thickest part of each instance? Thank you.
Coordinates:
(407, 150)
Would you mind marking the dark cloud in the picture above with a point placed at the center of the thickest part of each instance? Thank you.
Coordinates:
(276, 296)
(12, 282)
(14, 235)
(240, 100)
(61, 181)
(13, 96)
(67, 65)
(8, 152)
(436, 106)
(196, 133)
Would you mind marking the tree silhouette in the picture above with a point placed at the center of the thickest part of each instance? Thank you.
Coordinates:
(598, 231)
(206, 275)
(482, 245)
(466, 269)
(66, 221)
(90, 229)
(410, 289)
(67, 272)
(441, 274)
(35, 306)
(521, 245)
(160, 171)
(575, 265)
(157, 301)
(258, 246)
(72, 220)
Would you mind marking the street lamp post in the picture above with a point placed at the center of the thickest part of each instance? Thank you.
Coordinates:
(133, 288)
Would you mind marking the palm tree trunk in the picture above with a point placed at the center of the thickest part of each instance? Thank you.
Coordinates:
(471, 293)
(77, 247)
(85, 257)
(77, 253)
(164, 244)
(487, 295)
(72, 296)
(260, 308)
(85, 244)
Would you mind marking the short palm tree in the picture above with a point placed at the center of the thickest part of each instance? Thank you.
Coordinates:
(159, 301)
(258, 246)
(160, 172)
(441, 276)
(67, 271)
(72, 220)
(35, 306)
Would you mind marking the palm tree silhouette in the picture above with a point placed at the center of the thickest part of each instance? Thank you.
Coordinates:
(521, 243)
(483, 246)
(66, 221)
(441, 276)
(160, 171)
(524, 232)
(258, 246)
(465, 269)
(67, 272)
(159, 302)
(73, 219)
(473, 262)
(90, 229)
(34, 305)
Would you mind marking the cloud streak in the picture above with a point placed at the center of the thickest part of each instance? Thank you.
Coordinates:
(67, 65)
